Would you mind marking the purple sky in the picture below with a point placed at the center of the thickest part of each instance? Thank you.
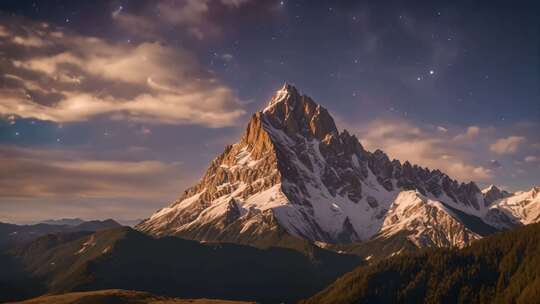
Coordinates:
(112, 108)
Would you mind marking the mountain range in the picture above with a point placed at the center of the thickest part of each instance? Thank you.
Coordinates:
(278, 216)
(12, 234)
(503, 268)
(123, 258)
(64, 221)
(294, 175)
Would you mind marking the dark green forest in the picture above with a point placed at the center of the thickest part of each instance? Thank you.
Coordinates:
(503, 268)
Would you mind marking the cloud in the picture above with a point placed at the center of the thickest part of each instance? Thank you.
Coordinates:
(199, 19)
(47, 173)
(508, 145)
(470, 134)
(427, 147)
(76, 78)
(531, 159)
(442, 129)
(227, 57)
(234, 2)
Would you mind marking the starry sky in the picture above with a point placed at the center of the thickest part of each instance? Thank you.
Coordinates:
(113, 108)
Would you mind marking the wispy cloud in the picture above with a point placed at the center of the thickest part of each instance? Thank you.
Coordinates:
(532, 159)
(197, 19)
(55, 75)
(508, 145)
(62, 174)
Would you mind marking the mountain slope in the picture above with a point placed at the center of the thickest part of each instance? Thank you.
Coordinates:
(11, 234)
(503, 268)
(293, 175)
(127, 259)
(118, 296)
(430, 222)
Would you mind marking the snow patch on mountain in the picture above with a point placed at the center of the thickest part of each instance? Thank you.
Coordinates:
(521, 208)
(428, 222)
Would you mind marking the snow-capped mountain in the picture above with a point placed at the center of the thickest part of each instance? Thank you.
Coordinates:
(294, 175)
(520, 208)
(492, 193)
(429, 222)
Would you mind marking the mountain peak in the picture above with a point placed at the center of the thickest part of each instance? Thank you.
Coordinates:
(490, 188)
(288, 87)
(286, 92)
(294, 113)
(493, 193)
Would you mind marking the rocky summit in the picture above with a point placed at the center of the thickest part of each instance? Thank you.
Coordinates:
(294, 175)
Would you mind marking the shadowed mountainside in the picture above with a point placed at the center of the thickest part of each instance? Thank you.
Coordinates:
(12, 234)
(503, 268)
(127, 259)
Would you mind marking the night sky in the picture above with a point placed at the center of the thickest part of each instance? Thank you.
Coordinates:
(112, 108)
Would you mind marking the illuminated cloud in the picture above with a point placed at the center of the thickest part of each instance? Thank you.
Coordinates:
(508, 145)
(47, 173)
(471, 133)
(442, 129)
(531, 159)
(72, 78)
(434, 149)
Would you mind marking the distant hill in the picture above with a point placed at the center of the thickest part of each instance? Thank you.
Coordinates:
(127, 259)
(12, 234)
(64, 221)
(503, 268)
(118, 296)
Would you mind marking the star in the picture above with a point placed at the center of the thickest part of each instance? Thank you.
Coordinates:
(431, 72)
(418, 78)
(17, 133)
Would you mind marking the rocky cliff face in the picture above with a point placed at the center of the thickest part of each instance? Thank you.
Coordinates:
(294, 175)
